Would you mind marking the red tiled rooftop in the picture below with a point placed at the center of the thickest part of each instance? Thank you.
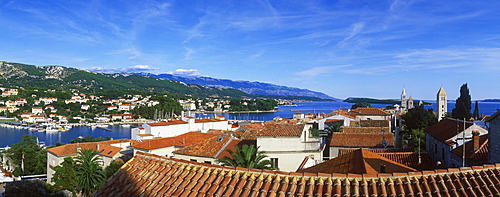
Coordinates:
(151, 175)
(470, 153)
(361, 139)
(369, 111)
(283, 130)
(446, 128)
(172, 122)
(183, 140)
(104, 148)
(214, 147)
(361, 161)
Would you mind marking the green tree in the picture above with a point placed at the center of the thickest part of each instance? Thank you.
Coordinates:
(462, 105)
(361, 105)
(113, 167)
(89, 172)
(35, 157)
(336, 127)
(247, 156)
(418, 118)
(65, 175)
(26, 188)
(476, 111)
(166, 106)
(314, 132)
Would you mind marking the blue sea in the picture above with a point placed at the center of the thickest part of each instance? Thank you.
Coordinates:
(9, 136)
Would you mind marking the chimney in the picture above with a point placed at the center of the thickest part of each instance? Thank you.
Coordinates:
(475, 139)
(382, 168)
(78, 148)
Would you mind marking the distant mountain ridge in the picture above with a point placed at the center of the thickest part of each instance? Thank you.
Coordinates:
(16, 75)
(245, 86)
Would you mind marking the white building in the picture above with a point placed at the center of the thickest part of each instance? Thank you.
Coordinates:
(346, 121)
(177, 127)
(108, 151)
(288, 144)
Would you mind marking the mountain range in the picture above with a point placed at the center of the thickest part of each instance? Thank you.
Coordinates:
(258, 88)
(16, 75)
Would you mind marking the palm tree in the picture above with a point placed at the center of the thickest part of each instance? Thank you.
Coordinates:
(89, 171)
(336, 127)
(247, 156)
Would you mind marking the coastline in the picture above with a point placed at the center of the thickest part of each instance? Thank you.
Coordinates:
(233, 112)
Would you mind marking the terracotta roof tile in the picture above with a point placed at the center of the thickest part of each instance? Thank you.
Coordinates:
(370, 111)
(186, 139)
(214, 147)
(446, 128)
(277, 129)
(361, 139)
(104, 148)
(480, 153)
(183, 178)
(361, 161)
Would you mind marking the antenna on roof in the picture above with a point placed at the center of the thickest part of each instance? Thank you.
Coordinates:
(463, 152)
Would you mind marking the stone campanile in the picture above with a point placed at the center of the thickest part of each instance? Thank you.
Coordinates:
(403, 99)
(441, 104)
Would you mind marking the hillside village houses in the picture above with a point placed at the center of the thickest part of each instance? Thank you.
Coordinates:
(290, 144)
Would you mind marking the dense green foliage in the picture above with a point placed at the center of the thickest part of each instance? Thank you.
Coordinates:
(35, 157)
(462, 105)
(476, 115)
(114, 166)
(89, 139)
(418, 118)
(252, 105)
(418, 136)
(26, 188)
(65, 177)
(247, 156)
(89, 172)
(361, 105)
(336, 127)
(167, 108)
(415, 121)
(371, 100)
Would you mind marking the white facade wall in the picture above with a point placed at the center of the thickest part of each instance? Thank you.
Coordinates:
(52, 160)
(167, 131)
(135, 131)
(165, 152)
(290, 161)
(197, 159)
(372, 117)
(347, 121)
(274, 144)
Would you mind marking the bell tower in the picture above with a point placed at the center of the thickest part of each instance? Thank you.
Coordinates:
(403, 99)
(441, 104)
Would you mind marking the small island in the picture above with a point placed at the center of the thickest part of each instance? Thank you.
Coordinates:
(376, 101)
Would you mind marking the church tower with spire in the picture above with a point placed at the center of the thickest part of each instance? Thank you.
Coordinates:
(410, 103)
(441, 103)
(403, 99)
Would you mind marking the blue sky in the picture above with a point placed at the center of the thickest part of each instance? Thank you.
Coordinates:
(342, 48)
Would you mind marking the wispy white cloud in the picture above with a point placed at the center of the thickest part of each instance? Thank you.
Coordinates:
(133, 69)
(186, 73)
(320, 70)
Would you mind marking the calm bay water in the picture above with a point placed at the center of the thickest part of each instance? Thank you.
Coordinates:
(9, 136)
(486, 108)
